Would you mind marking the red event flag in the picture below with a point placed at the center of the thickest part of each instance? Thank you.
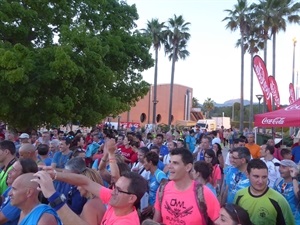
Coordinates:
(274, 91)
(262, 76)
(292, 97)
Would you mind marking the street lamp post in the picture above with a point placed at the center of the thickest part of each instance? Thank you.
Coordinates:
(222, 118)
(259, 97)
(232, 114)
(293, 72)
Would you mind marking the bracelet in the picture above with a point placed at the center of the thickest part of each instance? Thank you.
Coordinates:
(56, 208)
(103, 160)
(294, 178)
(55, 175)
(54, 196)
(112, 160)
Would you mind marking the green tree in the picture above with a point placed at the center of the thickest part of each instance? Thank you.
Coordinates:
(63, 61)
(177, 37)
(238, 19)
(282, 11)
(254, 42)
(208, 106)
(155, 30)
(195, 102)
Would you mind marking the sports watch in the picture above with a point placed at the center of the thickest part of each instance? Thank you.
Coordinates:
(60, 199)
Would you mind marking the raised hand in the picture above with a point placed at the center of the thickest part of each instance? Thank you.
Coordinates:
(45, 183)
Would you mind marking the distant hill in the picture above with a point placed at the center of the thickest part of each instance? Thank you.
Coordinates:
(231, 101)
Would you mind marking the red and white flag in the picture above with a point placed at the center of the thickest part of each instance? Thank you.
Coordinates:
(274, 91)
(292, 97)
(262, 76)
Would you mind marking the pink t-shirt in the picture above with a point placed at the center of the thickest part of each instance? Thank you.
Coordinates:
(180, 207)
(216, 175)
(110, 218)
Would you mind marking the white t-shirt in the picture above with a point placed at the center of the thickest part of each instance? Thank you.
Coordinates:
(273, 171)
(216, 140)
(227, 161)
(146, 175)
(167, 158)
(142, 171)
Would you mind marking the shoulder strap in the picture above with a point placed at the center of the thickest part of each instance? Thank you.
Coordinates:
(198, 189)
(278, 180)
(161, 190)
(142, 170)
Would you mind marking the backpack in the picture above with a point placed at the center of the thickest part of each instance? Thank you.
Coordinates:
(198, 191)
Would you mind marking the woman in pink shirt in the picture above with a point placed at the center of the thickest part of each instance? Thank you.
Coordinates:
(216, 178)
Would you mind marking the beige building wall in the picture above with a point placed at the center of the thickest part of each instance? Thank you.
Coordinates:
(182, 104)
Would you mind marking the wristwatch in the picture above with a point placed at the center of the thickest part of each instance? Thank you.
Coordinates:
(60, 199)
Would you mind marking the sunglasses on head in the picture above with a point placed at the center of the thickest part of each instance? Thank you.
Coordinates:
(230, 208)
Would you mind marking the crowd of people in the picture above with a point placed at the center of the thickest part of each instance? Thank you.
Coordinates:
(178, 177)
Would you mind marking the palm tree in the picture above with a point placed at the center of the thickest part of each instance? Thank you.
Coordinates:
(274, 14)
(155, 30)
(253, 43)
(208, 106)
(238, 19)
(177, 37)
(282, 11)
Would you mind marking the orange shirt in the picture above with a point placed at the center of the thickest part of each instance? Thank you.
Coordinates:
(254, 150)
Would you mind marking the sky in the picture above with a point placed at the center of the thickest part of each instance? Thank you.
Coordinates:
(214, 66)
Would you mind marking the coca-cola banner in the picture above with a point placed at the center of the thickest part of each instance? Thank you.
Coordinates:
(284, 117)
(262, 76)
(274, 91)
(292, 97)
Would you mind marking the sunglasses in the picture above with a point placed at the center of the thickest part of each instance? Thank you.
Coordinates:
(117, 190)
(230, 208)
(283, 186)
(237, 177)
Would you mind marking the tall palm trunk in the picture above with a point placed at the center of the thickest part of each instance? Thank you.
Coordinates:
(265, 50)
(273, 71)
(242, 86)
(172, 84)
(274, 55)
(274, 63)
(251, 94)
(155, 88)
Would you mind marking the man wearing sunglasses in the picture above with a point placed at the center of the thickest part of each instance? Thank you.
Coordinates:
(264, 204)
(235, 175)
(122, 200)
(288, 185)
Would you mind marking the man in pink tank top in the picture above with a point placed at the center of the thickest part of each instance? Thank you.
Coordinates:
(178, 204)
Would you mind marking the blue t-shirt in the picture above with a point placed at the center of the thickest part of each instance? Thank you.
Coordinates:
(209, 185)
(47, 161)
(296, 153)
(74, 200)
(235, 180)
(163, 150)
(92, 149)
(160, 165)
(36, 213)
(191, 142)
(153, 184)
(60, 160)
(95, 167)
(287, 190)
(10, 212)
